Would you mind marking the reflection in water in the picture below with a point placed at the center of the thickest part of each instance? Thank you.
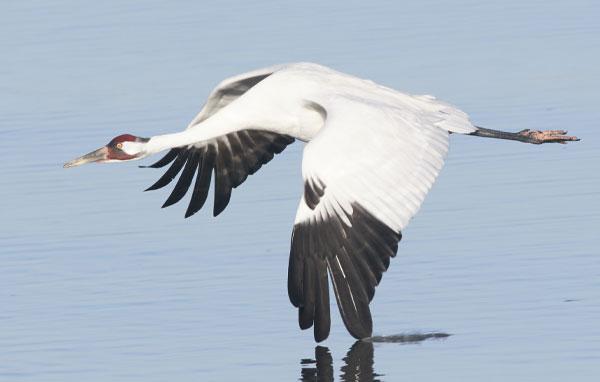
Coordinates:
(323, 369)
(410, 338)
(358, 363)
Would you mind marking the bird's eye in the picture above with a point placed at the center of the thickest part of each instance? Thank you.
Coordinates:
(119, 146)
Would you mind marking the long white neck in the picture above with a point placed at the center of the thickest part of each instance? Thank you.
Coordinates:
(290, 116)
(270, 116)
(208, 129)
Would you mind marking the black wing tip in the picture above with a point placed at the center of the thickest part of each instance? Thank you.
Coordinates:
(221, 202)
(179, 161)
(167, 203)
(258, 148)
(358, 267)
(165, 160)
(361, 332)
(322, 325)
(189, 214)
(305, 318)
(152, 188)
(185, 180)
(320, 337)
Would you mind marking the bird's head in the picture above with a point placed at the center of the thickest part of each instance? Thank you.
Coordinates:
(122, 148)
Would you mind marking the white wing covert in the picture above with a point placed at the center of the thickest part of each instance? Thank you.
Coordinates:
(366, 174)
(229, 90)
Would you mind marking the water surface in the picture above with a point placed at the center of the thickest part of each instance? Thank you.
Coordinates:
(98, 283)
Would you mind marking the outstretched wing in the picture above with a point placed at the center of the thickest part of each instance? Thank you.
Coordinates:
(232, 157)
(365, 175)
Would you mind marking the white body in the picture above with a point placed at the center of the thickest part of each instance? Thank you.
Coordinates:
(375, 145)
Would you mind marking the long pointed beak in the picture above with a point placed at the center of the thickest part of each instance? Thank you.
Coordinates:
(95, 156)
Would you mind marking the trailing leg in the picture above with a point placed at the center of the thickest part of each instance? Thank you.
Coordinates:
(527, 136)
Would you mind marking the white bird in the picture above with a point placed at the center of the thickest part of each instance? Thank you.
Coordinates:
(372, 154)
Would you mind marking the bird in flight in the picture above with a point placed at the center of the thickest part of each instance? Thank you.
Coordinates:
(371, 155)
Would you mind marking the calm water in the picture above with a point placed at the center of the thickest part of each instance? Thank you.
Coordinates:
(97, 283)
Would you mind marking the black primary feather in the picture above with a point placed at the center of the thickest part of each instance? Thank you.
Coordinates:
(170, 174)
(232, 157)
(168, 158)
(354, 256)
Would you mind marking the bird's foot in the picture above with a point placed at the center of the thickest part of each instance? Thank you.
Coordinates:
(547, 136)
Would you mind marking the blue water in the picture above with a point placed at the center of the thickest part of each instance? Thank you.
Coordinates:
(97, 283)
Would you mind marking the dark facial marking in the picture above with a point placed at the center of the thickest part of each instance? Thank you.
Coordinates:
(122, 138)
(115, 153)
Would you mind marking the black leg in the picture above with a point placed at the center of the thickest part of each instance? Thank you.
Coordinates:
(527, 136)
